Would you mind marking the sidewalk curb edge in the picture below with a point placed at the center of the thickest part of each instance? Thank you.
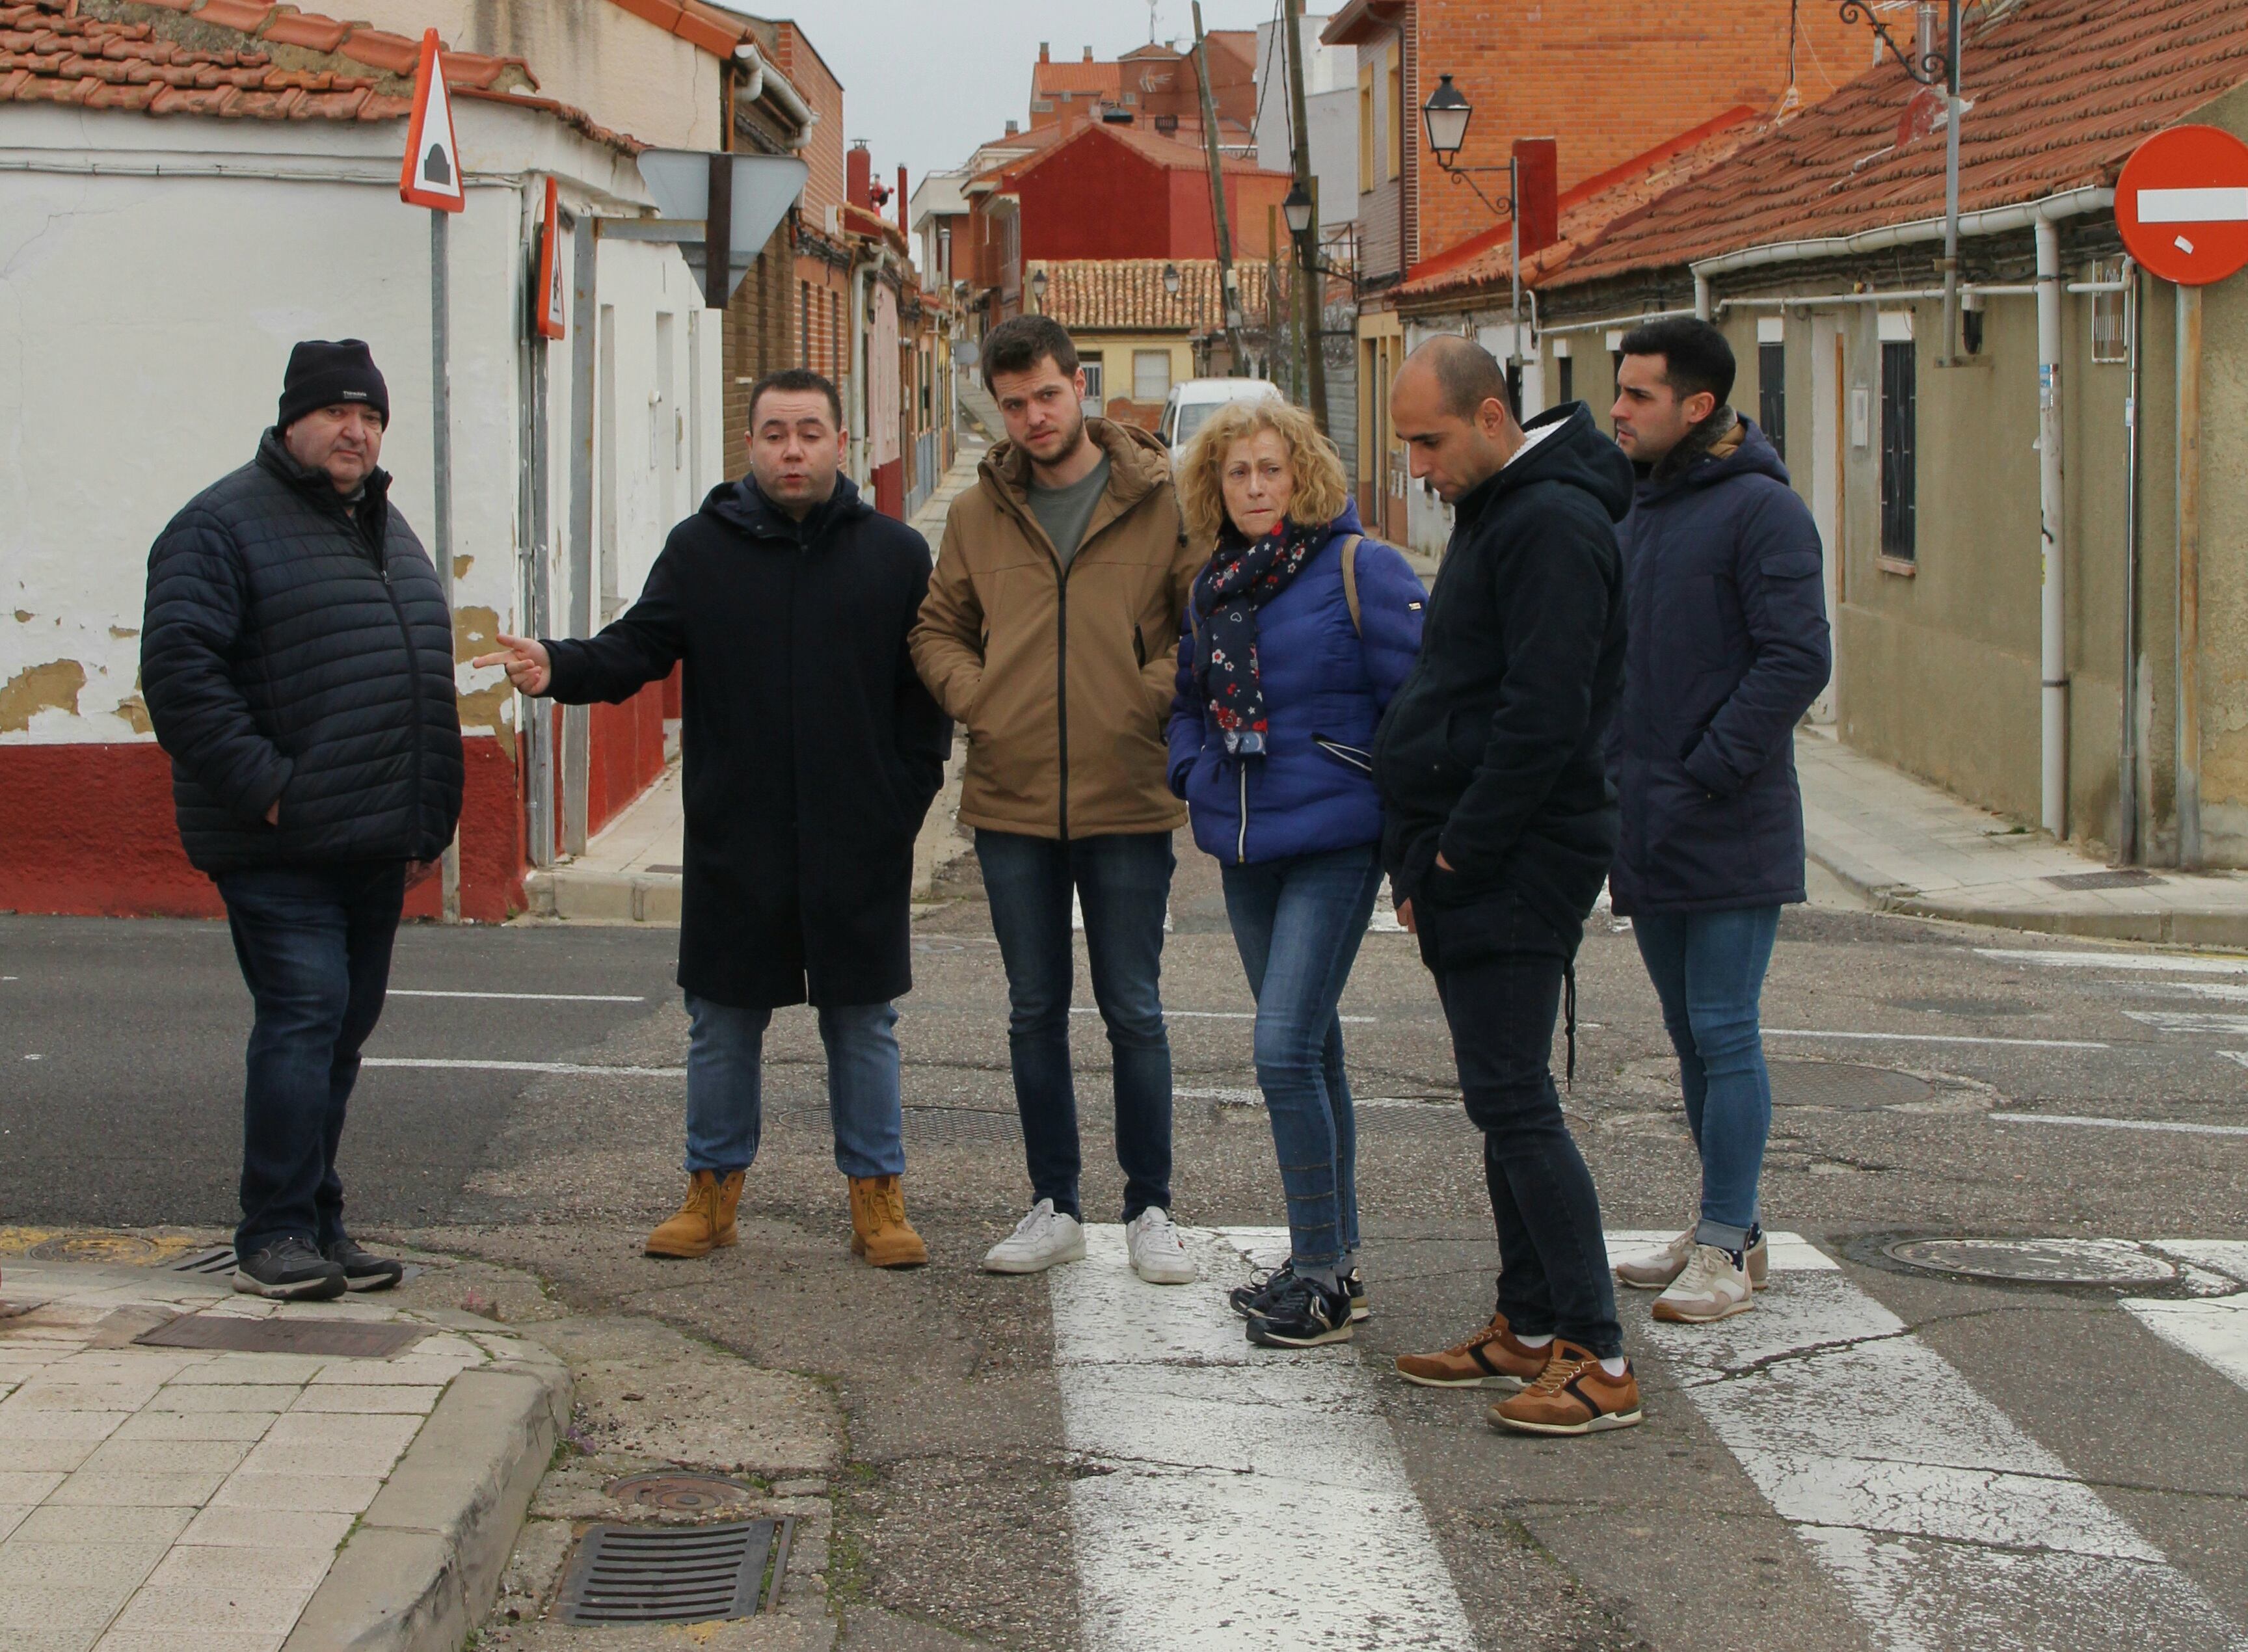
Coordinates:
(423, 1565)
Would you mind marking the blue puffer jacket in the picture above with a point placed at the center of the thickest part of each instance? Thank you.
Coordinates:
(1728, 649)
(1323, 683)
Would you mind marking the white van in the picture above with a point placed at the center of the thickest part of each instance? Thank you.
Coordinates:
(1193, 401)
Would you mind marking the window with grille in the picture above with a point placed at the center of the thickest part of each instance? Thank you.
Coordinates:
(2110, 340)
(1900, 458)
(1093, 396)
(1151, 376)
(1365, 131)
(1772, 394)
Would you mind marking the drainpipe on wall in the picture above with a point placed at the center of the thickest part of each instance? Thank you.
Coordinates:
(1702, 307)
(2053, 541)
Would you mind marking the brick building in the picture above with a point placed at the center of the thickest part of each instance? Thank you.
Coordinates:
(1153, 86)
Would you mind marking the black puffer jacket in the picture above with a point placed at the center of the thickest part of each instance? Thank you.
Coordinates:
(293, 650)
(1490, 752)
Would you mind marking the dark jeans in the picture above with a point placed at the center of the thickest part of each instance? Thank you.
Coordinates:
(1123, 882)
(1708, 969)
(314, 945)
(1552, 1255)
(1298, 923)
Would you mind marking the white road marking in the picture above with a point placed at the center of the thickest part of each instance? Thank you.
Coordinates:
(2212, 1329)
(532, 997)
(1232, 1479)
(1932, 1037)
(2191, 1021)
(1787, 1252)
(1943, 1522)
(2165, 963)
(2228, 1257)
(2170, 1126)
(2224, 991)
(522, 1066)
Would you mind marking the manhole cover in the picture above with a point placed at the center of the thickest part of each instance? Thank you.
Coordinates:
(2119, 878)
(683, 1493)
(329, 1338)
(1843, 1085)
(128, 1247)
(672, 1573)
(2035, 1261)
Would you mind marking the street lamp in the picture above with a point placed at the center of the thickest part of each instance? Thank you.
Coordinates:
(1933, 65)
(1171, 280)
(1039, 287)
(1297, 210)
(1445, 118)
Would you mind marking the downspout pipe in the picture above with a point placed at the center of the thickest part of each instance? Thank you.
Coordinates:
(2053, 546)
(1704, 310)
(762, 80)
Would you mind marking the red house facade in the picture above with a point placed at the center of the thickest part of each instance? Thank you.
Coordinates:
(1118, 192)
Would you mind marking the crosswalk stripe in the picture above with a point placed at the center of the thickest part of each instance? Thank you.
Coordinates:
(2167, 1125)
(2191, 1021)
(2162, 962)
(2213, 1330)
(1940, 1520)
(1232, 1478)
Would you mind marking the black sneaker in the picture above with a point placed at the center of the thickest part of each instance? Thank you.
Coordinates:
(363, 1269)
(1354, 1286)
(290, 1269)
(1248, 1300)
(1303, 1315)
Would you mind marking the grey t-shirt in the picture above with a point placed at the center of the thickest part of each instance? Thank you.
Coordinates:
(1064, 512)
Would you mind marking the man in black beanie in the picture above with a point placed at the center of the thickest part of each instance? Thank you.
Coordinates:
(296, 660)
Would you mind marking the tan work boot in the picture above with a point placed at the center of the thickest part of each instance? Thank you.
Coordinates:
(705, 1221)
(880, 1232)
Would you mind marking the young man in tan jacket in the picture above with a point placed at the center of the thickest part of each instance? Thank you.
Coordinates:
(1048, 635)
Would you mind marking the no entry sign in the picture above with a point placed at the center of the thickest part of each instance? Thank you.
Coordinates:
(2182, 204)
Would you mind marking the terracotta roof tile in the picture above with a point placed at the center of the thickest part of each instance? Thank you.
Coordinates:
(2062, 92)
(1127, 294)
(50, 52)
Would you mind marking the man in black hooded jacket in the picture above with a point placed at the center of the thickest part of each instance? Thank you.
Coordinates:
(296, 660)
(1500, 825)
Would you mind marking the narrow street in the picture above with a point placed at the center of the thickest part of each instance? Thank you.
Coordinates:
(1880, 1456)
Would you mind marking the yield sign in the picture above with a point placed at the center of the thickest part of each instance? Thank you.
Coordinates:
(2182, 204)
(431, 176)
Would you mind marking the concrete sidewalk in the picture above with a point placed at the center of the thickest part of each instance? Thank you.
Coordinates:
(161, 1497)
(630, 872)
(1907, 847)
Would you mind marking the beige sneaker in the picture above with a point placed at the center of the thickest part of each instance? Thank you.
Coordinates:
(1654, 1270)
(1709, 1288)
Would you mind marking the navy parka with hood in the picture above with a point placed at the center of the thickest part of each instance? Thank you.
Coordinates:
(1491, 752)
(1729, 648)
(810, 752)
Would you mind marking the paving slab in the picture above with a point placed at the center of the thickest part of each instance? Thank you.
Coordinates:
(1906, 847)
(132, 1478)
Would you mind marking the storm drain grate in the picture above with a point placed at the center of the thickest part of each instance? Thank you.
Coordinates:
(328, 1338)
(217, 1259)
(2118, 878)
(674, 1573)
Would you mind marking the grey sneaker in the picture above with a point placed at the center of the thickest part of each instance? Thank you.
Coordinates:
(290, 1270)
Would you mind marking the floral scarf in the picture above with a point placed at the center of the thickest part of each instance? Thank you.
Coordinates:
(1241, 579)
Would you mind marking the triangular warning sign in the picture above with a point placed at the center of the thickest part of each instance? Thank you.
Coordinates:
(431, 176)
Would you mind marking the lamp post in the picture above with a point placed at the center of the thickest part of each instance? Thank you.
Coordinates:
(1171, 280)
(1932, 66)
(1445, 118)
(1039, 290)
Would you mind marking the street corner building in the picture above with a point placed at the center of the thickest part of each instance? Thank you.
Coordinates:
(190, 186)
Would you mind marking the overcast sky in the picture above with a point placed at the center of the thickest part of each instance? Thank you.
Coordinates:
(925, 82)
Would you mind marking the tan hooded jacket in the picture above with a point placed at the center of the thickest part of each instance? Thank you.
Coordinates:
(1062, 678)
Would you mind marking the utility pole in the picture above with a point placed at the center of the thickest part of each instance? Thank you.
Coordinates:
(1229, 296)
(1312, 290)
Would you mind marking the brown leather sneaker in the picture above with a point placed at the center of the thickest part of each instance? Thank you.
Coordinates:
(1574, 1395)
(1492, 1358)
(880, 1232)
(705, 1219)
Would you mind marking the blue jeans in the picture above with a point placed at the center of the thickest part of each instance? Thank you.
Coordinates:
(1123, 881)
(314, 946)
(1708, 969)
(725, 1087)
(1298, 922)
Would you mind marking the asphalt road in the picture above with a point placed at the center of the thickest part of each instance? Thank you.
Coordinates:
(1878, 1456)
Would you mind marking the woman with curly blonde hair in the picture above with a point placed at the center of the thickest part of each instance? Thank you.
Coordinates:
(1300, 630)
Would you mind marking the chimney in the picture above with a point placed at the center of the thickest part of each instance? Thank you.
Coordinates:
(902, 224)
(858, 176)
(1013, 127)
(1046, 54)
(1088, 54)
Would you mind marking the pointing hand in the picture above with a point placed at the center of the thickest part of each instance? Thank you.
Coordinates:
(528, 668)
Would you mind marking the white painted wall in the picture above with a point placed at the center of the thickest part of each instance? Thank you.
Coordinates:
(146, 323)
(1330, 111)
(626, 72)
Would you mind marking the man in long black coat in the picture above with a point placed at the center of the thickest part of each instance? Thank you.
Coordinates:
(811, 752)
(297, 658)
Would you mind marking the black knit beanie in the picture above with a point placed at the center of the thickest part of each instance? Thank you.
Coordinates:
(322, 374)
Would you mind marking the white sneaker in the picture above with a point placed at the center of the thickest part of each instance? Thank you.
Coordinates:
(1039, 1240)
(1159, 1255)
(1711, 1288)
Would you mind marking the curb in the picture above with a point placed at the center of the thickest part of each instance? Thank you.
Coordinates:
(423, 1564)
(2171, 928)
(604, 897)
